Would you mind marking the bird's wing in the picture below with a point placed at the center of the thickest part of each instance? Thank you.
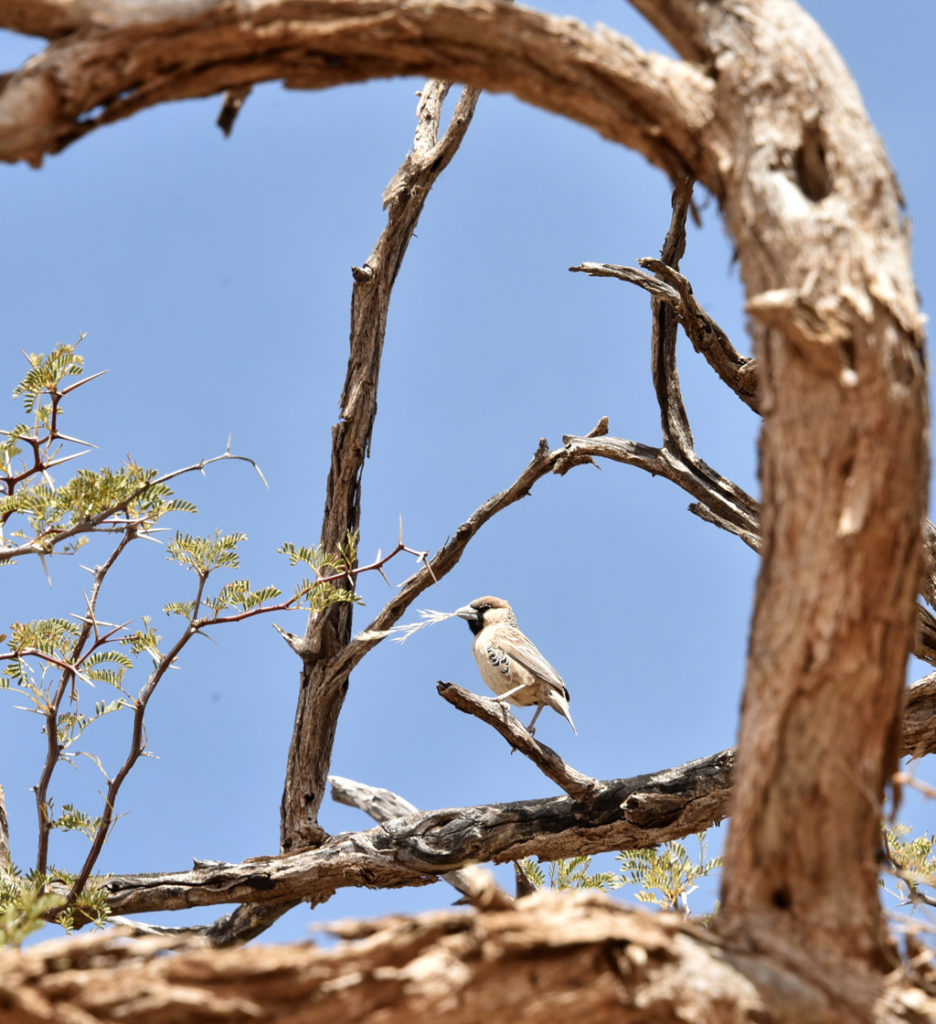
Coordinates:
(523, 649)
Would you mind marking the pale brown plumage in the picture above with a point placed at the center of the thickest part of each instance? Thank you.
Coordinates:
(510, 663)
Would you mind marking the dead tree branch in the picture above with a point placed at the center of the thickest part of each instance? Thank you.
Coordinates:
(494, 713)
(415, 849)
(475, 883)
(738, 372)
(555, 951)
(720, 501)
(102, 73)
(323, 683)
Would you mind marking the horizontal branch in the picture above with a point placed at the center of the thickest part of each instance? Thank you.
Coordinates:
(414, 850)
(731, 507)
(557, 955)
(633, 813)
(720, 502)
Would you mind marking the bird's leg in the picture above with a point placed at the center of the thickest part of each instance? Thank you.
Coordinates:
(502, 697)
(530, 728)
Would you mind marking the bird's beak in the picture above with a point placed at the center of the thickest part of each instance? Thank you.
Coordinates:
(468, 613)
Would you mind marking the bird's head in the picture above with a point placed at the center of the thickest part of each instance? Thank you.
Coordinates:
(486, 611)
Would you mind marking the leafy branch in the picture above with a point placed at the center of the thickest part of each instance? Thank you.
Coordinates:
(664, 875)
(51, 659)
(912, 862)
(107, 501)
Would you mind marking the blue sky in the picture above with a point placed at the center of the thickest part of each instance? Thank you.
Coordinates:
(212, 277)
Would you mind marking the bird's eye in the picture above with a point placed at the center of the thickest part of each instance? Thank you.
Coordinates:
(482, 608)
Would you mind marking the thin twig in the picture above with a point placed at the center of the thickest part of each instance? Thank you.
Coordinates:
(51, 712)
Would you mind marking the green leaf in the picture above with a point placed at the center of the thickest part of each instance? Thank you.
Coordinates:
(237, 594)
(205, 554)
(184, 608)
(46, 374)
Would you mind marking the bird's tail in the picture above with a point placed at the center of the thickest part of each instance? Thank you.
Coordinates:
(561, 704)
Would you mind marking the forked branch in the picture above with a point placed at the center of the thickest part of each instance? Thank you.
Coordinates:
(328, 634)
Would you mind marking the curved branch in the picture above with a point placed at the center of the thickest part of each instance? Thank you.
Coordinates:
(134, 56)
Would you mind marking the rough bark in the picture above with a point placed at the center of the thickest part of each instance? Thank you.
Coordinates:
(814, 208)
(131, 56)
(324, 677)
(763, 112)
(556, 956)
(417, 847)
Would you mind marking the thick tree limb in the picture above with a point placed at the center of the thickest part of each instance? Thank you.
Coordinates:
(414, 849)
(557, 955)
(477, 885)
(132, 56)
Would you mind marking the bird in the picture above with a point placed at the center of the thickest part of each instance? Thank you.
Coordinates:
(510, 663)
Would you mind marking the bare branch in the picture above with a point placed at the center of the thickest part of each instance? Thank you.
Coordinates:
(728, 504)
(740, 373)
(446, 558)
(721, 501)
(328, 633)
(474, 883)
(413, 850)
(742, 376)
(4, 833)
(677, 435)
(578, 786)
(198, 48)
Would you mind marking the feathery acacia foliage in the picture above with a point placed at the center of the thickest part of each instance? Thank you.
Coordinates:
(53, 661)
(664, 876)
